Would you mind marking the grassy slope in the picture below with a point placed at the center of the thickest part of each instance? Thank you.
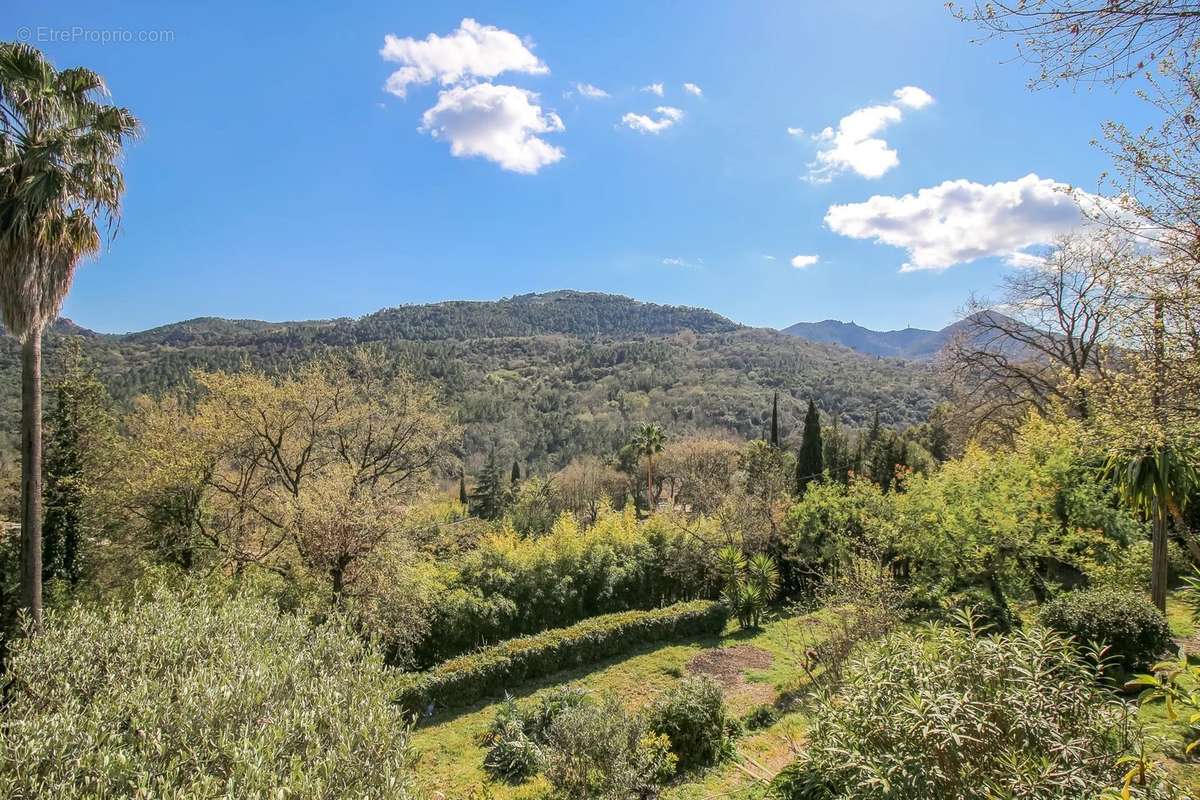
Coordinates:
(451, 760)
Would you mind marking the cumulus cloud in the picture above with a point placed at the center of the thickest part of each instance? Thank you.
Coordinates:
(473, 51)
(795, 131)
(692, 88)
(800, 262)
(959, 221)
(667, 116)
(654, 88)
(499, 123)
(855, 144)
(594, 92)
(912, 96)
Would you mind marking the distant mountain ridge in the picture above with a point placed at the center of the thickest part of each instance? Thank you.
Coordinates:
(913, 344)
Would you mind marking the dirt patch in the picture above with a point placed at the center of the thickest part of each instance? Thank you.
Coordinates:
(727, 665)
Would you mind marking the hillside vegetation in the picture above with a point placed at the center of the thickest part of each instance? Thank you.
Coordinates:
(547, 376)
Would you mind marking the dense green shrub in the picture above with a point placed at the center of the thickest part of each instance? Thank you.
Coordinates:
(191, 695)
(516, 737)
(951, 714)
(492, 670)
(513, 586)
(600, 751)
(693, 716)
(1134, 630)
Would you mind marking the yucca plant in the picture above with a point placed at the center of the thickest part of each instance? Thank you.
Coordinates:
(749, 584)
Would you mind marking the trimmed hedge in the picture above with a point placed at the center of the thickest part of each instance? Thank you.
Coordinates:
(1127, 622)
(493, 670)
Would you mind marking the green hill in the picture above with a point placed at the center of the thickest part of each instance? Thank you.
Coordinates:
(542, 376)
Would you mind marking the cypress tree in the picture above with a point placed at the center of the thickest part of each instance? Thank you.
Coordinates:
(775, 421)
(80, 428)
(810, 463)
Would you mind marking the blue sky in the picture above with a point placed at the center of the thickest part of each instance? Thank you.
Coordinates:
(279, 179)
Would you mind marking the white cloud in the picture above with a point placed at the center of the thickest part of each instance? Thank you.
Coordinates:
(692, 88)
(912, 96)
(769, 257)
(594, 92)
(795, 131)
(472, 51)
(684, 263)
(654, 88)
(959, 221)
(855, 144)
(667, 116)
(499, 123)
(800, 262)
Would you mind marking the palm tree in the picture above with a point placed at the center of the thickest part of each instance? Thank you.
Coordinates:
(649, 441)
(60, 184)
(1156, 483)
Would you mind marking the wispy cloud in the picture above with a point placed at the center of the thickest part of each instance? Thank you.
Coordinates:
(683, 263)
(667, 116)
(692, 88)
(654, 88)
(593, 92)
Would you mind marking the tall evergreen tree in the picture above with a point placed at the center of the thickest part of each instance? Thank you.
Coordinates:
(775, 421)
(810, 463)
(516, 472)
(80, 428)
(490, 496)
(462, 488)
(837, 452)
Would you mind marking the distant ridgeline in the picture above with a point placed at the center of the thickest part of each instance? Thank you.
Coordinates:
(547, 375)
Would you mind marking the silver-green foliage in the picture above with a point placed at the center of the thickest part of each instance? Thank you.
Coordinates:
(950, 713)
(192, 695)
(600, 751)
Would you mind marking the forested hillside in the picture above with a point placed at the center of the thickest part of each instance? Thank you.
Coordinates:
(544, 376)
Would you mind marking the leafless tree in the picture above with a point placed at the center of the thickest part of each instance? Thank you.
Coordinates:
(1054, 323)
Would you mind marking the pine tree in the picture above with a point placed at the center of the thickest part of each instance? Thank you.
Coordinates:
(515, 478)
(775, 421)
(490, 496)
(462, 488)
(810, 463)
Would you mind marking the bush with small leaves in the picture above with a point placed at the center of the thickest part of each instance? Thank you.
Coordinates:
(1135, 632)
(191, 695)
(599, 751)
(949, 713)
(692, 714)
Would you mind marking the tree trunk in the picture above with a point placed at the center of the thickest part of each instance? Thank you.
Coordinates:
(31, 476)
(649, 485)
(1158, 574)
